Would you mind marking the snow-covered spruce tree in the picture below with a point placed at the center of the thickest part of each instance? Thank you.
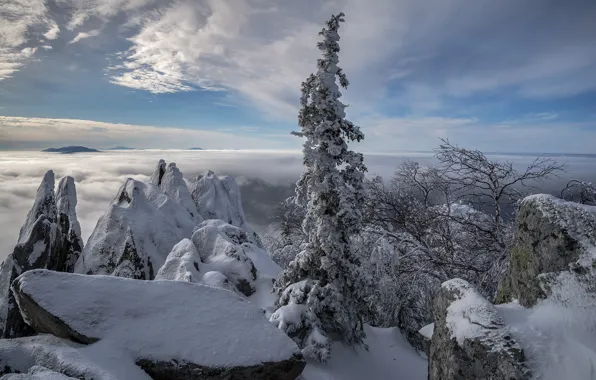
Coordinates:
(322, 290)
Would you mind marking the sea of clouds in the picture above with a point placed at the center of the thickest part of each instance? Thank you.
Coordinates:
(267, 176)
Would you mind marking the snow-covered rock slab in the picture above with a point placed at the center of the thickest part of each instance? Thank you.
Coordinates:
(470, 339)
(173, 329)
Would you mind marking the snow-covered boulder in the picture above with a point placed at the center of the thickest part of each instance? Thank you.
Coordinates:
(227, 249)
(182, 264)
(219, 198)
(470, 339)
(133, 238)
(172, 329)
(222, 246)
(551, 236)
(50, 238)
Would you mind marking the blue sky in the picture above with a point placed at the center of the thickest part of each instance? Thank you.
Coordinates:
(495, 75)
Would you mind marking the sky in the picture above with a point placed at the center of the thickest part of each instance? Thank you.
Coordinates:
(507, 75)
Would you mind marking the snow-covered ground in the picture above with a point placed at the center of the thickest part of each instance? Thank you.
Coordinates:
(559, 340)
(389, 356)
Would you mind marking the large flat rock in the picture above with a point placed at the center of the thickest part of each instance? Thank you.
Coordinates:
(172, 329)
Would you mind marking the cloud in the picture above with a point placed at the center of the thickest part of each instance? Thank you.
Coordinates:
(22, 133)
(52, 33)
(263, 50)
(21, 20)
(83, 35)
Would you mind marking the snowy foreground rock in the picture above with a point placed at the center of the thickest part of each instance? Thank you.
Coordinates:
(50, 238)
(170, 329)
(546, 322)
(470, 340)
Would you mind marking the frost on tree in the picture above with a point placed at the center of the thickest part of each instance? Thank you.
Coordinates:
(331, 191)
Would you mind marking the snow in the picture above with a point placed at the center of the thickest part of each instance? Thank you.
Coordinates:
(190, 322)
(93, 362)
(141, 215)
(389, 356)
(470, 315)
(174, 186)
(182, 264)
(38, 248)
(427, 331)
(37, 373)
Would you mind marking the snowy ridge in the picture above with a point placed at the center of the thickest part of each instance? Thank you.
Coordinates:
(135, 235)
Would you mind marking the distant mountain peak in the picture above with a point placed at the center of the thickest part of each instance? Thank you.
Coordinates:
(71, 149)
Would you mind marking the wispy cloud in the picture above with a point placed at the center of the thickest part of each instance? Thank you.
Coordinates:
(84, 35)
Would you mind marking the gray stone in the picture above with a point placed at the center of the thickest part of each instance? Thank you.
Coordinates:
(550, 235)
(470, 340)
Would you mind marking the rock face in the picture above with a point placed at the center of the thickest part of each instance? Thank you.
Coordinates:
(50, 238)
(134, 237)
(66, 203)
(551, 236)
(470, 340)
(193, 332)
(219, 198)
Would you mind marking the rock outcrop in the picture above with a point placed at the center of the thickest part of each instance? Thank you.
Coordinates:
(192, 332)
(133, 238)
(226, 249)
(50, 238)
(470, 340)
(174, 186)
(219, 198)
(552, 237)
(66, 203)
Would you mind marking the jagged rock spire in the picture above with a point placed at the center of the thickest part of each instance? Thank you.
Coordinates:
(158, 174)
(50, 238)
(173, 185)
(66, 203)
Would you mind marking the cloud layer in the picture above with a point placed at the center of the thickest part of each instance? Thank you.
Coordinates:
(99, 176)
